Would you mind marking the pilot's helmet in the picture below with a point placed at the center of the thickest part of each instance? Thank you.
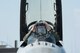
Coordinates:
(41, 28)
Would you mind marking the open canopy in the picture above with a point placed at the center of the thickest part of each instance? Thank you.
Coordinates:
(40, 10)
(36, 10)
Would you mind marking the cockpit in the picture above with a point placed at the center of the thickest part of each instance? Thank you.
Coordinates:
(40, 31)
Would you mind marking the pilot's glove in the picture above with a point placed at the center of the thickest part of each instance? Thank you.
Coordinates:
(33, 28)
(47, 26)
(30, 31)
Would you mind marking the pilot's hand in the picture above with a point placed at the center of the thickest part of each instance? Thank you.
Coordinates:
(47, 26)
(33, 28)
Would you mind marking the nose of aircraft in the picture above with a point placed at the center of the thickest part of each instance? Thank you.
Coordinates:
(41, 47)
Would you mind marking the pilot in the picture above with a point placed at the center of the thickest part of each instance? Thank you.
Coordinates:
(41, 31)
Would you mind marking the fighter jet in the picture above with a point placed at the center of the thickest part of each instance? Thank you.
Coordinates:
(41, 36)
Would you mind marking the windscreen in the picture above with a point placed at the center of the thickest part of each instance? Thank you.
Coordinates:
(40, 10)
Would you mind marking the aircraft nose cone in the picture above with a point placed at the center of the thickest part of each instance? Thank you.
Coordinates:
(43, 47)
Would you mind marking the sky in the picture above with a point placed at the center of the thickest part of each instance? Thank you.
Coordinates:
(71, 25)
(10, 26)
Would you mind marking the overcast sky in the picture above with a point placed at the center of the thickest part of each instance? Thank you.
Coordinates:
(9, 23)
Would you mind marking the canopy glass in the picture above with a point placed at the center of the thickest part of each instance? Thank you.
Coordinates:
(40, 10)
